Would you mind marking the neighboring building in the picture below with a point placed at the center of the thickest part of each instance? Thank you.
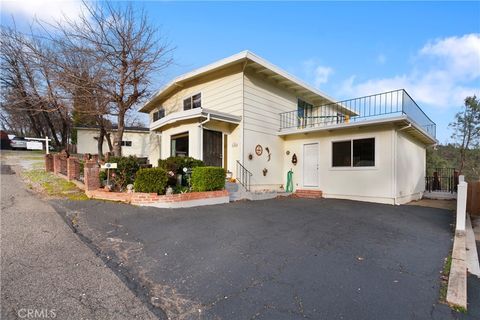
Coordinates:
(136, 141)
(255, 120)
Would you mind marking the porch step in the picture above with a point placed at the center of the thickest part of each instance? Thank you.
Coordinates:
(237, 192)
(310, 194)
(439, 195)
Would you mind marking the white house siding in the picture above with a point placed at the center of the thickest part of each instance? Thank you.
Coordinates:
(222, 92)
(86, 143)
(365, 184)
(155, 148)
(263, 103)
(410, 168)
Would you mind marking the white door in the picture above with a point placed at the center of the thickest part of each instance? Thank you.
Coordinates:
(310, 165)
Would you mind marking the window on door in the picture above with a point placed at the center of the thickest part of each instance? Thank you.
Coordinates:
(193, 102)
(354, 153)
(304, 112)
(179, 145)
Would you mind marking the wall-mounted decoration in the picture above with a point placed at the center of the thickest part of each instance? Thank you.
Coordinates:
(269, 154)
(265, 172)
(258, 150)
(288, 152)
(294, 159)
(250, 156)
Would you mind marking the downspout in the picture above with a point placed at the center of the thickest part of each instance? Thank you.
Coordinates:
(243, 113)
(201, 135)
(395, 139)
(395, 134)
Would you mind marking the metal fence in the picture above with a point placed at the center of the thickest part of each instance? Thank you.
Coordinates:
(376, 106)
(441, 180)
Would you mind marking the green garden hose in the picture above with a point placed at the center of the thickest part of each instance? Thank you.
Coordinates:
(289, 181)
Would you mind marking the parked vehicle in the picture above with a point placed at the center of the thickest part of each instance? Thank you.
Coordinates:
(18, 143)
(4, 141)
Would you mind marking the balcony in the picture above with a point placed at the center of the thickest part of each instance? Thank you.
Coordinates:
(369, 109)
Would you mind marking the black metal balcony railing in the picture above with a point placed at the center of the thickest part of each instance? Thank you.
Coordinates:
(377, 106)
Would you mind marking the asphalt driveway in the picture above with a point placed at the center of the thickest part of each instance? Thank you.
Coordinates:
(275, 259)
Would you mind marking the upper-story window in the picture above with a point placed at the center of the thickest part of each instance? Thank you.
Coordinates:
(159, 114)
(192, 102)
(126, 143)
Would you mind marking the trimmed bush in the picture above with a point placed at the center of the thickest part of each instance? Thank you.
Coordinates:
(208, 179)
(151, 180)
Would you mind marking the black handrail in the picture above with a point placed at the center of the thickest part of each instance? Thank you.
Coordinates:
(243, 176)
(376, 106)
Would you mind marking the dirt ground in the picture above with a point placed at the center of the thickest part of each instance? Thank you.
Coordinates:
(439, 204)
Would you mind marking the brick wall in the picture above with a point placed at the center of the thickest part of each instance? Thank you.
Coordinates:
(140, 198)
(73, 168)
(49, 163)
(91, 173)
(56, 163)
(311, 194)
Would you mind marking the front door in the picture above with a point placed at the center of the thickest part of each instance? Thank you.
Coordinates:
(310, 165)
(212, 148)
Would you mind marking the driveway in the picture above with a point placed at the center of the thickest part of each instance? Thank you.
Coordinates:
(276, 259)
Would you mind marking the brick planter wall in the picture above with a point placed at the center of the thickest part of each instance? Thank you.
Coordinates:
(163, 201)
(56, 163)
(73, 168)
(91, 173)
(310, 194)
(49, 163)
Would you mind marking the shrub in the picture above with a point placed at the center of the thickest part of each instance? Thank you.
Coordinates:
(208, 178)
(127, 167)
(176, 165)
(151, 180)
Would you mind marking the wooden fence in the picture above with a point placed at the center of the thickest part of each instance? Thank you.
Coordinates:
(473, 198)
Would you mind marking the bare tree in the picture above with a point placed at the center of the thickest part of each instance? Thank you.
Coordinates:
(29, 90)
(121, 42)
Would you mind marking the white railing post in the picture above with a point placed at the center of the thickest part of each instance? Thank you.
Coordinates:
(46, 145)
(461, 203)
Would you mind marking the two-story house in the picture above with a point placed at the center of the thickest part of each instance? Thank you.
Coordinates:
(259, 122)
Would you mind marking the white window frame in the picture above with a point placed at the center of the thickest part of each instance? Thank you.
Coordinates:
(190, 96)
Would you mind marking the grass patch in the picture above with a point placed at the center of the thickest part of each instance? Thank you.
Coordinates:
(53, 186)
(459, 309)
(445, 274)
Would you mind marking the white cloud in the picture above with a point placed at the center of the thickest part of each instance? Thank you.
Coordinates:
(44, 10)
(444, 72)
(319, 74)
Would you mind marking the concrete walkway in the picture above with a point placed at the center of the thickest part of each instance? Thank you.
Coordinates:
(48, 272)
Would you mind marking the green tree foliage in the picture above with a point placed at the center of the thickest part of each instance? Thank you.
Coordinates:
(466, 129)
(448, 156)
